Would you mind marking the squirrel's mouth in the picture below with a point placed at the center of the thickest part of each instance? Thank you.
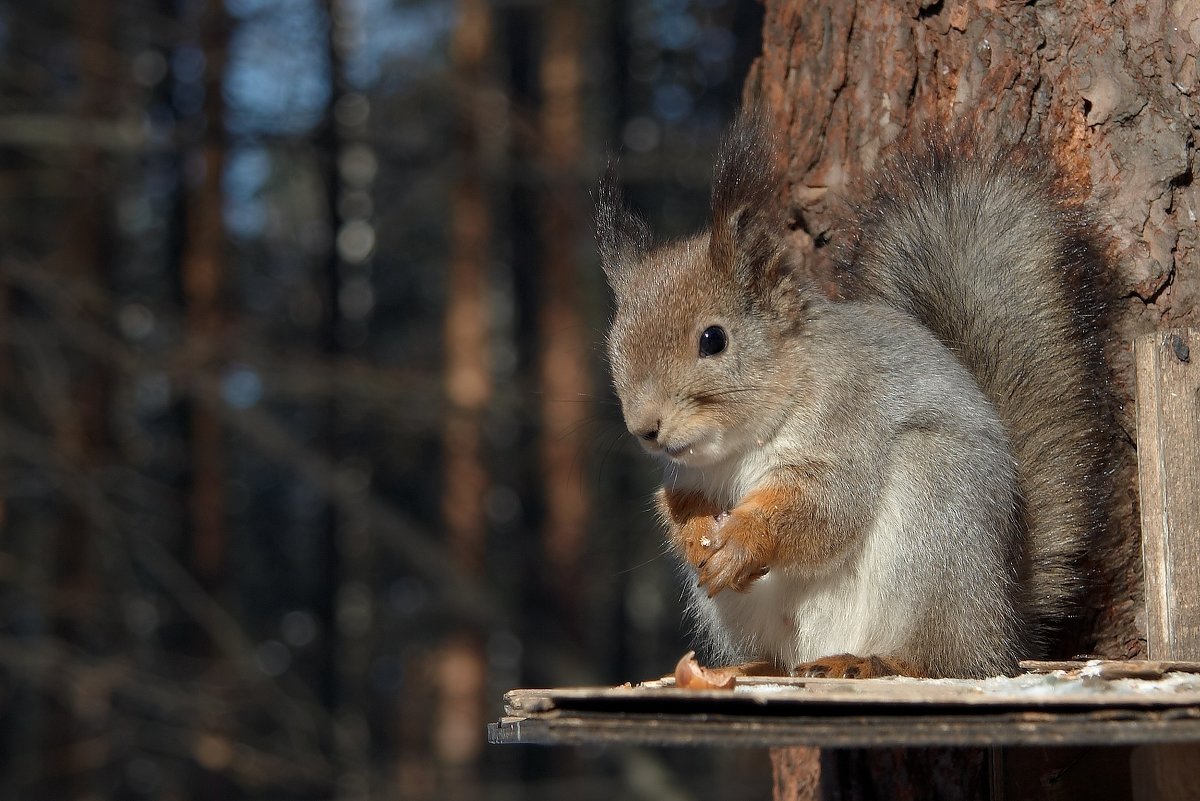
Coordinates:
(678, 452)
(694, 452)
(691, 447)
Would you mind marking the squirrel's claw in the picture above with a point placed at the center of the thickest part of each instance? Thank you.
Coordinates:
(729, 564)
(726, 549)
(850, 666)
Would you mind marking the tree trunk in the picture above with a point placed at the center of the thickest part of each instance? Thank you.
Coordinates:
(1112, 86)
(460, 713)
(563, 357)
(347, 608)
(81, 415)
(202, 271)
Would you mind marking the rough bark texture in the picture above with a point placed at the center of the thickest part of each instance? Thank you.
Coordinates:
(1112, 87)
(797, 773)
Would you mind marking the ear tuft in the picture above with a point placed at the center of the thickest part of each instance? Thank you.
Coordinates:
(746, 218)
(622, 236)
(747, 173)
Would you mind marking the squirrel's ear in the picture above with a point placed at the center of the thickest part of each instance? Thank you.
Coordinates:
(623, 237)
(746, 218)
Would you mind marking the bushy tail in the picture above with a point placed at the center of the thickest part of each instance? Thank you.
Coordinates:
(989, 249)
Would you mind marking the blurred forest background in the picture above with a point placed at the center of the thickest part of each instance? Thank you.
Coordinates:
(306, 443)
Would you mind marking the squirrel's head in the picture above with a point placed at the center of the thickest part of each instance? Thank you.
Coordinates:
(703, 342)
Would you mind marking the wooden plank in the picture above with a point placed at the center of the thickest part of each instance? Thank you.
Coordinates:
(1166, 772)
(1114, 668)
(1098, 727)
(776, 695)
(1168, 429)
(1075, 706)
(1060, 773)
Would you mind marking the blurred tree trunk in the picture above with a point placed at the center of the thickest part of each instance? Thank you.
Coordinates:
(6, 235)
(461, 667)
(563, 353)
(1113, 86)
(345, 604)
(202, 268)
(468, 378)
(81, 412)
(81, 424)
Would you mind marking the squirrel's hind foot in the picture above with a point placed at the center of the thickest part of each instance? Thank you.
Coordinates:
(849, 666)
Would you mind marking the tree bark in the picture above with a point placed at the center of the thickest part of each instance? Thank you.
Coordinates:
(797, 773)
(1111, 86)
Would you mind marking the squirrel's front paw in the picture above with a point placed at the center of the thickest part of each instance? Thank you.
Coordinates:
(736, 554)
(696, 539)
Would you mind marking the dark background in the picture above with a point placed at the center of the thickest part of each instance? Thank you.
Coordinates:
(307, 451)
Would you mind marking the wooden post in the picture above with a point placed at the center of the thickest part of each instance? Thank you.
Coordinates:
(1168, 439)
(1168, 442)
(797, 773)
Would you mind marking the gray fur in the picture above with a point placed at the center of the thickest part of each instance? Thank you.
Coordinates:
(941, 424)
(993, 252)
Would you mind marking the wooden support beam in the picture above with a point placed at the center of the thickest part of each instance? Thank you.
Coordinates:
(1168, 439)
(796, 773)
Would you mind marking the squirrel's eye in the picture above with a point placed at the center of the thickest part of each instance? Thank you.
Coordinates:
(713, 341)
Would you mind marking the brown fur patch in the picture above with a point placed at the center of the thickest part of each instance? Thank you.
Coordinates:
(805, 533)
(849, 666)
(691, 521)
(775, 526)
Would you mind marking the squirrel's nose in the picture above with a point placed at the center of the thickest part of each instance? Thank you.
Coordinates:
(650, 434)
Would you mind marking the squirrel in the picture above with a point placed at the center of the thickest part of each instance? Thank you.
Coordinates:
(898, 479)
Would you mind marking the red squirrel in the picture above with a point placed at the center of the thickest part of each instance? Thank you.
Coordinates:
(898, 482)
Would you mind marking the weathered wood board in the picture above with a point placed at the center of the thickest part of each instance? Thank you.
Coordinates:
(1078, 706)
(1168, 421)
(1168, 437)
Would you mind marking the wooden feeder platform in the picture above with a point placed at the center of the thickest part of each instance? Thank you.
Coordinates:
(1052, 703)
